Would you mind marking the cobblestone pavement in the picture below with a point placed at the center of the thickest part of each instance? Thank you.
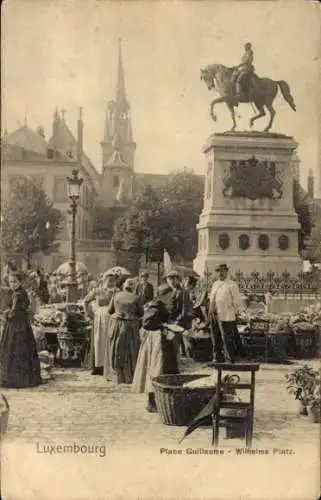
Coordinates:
(78, 407)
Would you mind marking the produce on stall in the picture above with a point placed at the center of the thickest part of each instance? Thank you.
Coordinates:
(266, 337)
(64, 330)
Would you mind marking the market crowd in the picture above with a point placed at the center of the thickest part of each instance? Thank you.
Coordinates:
(137, 331)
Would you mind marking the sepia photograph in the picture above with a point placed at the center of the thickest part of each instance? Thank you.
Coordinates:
(160, 250)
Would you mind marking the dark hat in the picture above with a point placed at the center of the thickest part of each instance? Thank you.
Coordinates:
(154, 315)
(221, 267)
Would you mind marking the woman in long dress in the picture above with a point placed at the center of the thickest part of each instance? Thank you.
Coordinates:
(100, 300)
(19, 362)
(123, 330)
(150, 362)
(157, 337)
(179, 308)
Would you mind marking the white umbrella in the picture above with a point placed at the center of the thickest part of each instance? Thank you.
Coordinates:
(117, 271)
(65, 268)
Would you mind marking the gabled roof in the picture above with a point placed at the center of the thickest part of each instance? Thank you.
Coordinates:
(65, 141)
(27, 139)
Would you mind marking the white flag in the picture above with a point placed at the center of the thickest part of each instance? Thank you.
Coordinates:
(120, 193)
(167, 261)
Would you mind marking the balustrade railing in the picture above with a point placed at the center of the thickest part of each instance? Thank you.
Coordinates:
(283, 284)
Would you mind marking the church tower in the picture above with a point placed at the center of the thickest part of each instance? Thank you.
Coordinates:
(118, 147)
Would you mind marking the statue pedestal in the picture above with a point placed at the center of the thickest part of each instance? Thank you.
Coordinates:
(248, 220)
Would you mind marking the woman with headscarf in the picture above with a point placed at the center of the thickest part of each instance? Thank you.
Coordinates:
(20, 365)
(100, 298)
(123, 331)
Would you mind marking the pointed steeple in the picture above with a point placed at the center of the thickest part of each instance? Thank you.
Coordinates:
(121, 100)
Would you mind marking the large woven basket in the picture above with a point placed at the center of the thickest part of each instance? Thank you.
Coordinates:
(176, 404)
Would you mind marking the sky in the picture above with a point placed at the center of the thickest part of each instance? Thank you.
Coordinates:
(64, 53)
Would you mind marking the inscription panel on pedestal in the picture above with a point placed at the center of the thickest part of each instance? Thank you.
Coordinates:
(252, 179)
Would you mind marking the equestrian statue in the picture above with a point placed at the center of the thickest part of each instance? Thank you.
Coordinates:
(240, 84)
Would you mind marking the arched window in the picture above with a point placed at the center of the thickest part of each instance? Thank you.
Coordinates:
(244, 241)
(224, 241)
(264, 242)
(284, 242)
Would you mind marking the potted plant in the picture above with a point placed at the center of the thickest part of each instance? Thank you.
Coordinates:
(302, 383)
(314, 407)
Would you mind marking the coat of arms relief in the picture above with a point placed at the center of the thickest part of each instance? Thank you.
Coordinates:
(252, 179)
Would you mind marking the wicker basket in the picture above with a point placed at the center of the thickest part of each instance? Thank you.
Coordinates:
(178, 405)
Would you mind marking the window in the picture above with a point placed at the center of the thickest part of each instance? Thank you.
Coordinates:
(116, 180)
(264, 242)
(284, 242)
(244, 241)
(224, 241)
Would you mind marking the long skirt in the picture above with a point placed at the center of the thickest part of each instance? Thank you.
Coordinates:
(101, 341)
(124, 348)
(19, 362)
(226, 339)
(150, 361)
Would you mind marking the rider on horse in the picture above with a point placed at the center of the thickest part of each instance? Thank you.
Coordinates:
(245, 68)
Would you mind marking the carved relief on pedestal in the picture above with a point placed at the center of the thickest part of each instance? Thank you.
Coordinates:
(252, 179)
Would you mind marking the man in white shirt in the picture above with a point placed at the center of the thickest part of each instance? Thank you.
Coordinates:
(225, 304)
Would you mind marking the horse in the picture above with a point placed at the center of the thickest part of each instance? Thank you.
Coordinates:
(261, 93)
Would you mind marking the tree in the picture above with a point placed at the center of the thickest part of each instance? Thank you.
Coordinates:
(312, 250)
(30, 223)
(140, 230)
(301, 205)
(104, 220)
(163, 218)
(182, 201)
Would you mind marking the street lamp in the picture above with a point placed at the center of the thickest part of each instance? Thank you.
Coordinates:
(74, 184)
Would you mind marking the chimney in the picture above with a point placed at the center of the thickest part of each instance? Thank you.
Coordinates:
(311, 184)
(80, 135)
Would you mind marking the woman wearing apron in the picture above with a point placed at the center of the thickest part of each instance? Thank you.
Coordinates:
(123, 330)
(100, 300)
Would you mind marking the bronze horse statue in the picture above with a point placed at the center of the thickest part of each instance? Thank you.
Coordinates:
(259, 91)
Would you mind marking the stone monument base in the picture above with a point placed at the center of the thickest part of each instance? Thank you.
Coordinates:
(248, 220)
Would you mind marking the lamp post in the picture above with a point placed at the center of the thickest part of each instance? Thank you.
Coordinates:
(74, 183)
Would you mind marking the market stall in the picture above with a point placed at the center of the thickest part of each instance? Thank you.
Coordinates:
(63, 330)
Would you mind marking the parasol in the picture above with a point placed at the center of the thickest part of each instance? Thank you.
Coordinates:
(117, 271)
(65, 268)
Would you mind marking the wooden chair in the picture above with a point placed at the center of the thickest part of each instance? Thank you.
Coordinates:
(246, 407)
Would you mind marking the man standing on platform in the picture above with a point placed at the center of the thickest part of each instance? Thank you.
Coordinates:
(144, 289)
(225, 304)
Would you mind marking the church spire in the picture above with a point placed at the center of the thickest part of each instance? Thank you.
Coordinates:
(120, 89)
